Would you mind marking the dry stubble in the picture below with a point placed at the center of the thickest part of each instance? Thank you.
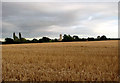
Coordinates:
(64, 61)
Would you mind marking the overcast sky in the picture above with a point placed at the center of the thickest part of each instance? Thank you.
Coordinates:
(38, 19)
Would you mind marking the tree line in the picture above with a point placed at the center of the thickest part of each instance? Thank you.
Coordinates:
(66, 38)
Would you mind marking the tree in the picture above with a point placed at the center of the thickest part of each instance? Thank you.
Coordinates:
(20, 37)
(76, 38)
(67, 38)
(9, 40)
(54, 40)
(23, 40)
(98, 37)
(35, 41)
(103, 37)
(82, 39)
(46, 39)
(16, 39)
(90, 39)
(28, 41)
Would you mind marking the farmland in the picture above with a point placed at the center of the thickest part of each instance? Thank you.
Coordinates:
(61, 61)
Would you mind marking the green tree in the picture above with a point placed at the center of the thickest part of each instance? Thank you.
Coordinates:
(46, 39)
(76, 38)
(67, 38)
(9, 40)
(23, 40)
(98, 37)
(103, 37)
(35, 41)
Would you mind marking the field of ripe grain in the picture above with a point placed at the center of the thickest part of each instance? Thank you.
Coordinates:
(61, 61)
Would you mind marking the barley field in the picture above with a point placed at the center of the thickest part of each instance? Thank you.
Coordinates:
(61, 61)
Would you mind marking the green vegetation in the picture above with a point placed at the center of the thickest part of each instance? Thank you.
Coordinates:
(66, 38)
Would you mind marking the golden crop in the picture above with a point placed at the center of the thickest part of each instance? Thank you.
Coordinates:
(61, 61)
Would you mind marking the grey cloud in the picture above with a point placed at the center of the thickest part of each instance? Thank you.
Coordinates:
(35, 19)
